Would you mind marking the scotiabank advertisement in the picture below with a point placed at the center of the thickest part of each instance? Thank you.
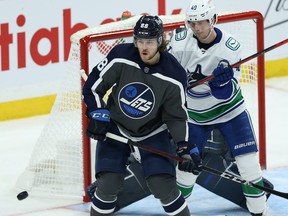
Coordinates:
(35, 35)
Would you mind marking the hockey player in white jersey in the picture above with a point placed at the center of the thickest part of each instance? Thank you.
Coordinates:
(203, 49)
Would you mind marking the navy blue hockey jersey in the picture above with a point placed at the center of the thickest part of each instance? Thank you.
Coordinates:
(145, 99)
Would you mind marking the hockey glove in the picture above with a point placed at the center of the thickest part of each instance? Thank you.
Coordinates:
(222, 74)
(192, 161)
(99, 124)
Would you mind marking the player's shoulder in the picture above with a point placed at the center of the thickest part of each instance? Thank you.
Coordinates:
(172, 67)
(169, 59)
(179, 34)
(180, 39)
(230, 41)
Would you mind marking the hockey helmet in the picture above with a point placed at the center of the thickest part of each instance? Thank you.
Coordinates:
(200, 10)
(149, 27)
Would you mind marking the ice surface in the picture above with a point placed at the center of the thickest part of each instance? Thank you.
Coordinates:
(17, 139)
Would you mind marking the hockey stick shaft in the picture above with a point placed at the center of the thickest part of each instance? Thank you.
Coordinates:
(208, 78)
(205, 168)
(144, 147)
(173, 157)
(244, 182)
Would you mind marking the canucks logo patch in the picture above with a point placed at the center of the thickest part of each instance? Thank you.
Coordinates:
(136, 100)
(181, 35)
(232, 44)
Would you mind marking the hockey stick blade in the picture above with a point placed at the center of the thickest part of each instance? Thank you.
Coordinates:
(244, 182)
(205, 168)
(208, 78)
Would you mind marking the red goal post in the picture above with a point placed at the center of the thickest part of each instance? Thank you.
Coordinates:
(227, 18)
(60, 164)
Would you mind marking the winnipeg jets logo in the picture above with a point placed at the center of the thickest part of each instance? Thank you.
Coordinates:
(136, 100)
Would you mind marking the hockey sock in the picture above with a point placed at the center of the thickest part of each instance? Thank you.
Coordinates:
(101, 207)
(255, 198)
(186, 191)
(251, 191)
(177, 207)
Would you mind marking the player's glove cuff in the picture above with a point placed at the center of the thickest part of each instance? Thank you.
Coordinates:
(99, 124)
(100, 115)
(192, 161)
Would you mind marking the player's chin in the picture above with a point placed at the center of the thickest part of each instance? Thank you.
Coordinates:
(144, 57)
(204, 36)
(199, 35)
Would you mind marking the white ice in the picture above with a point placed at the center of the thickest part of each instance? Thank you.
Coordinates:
(17, 139)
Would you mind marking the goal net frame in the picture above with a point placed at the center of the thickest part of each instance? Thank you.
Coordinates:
(84, 49)
(81, 42)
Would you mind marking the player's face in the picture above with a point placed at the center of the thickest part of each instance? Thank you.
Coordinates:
(201, 29)
(148, 49)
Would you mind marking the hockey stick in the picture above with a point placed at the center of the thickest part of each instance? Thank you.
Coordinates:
(83, 74)
(205, 168)
(208, 78)
(173, 157)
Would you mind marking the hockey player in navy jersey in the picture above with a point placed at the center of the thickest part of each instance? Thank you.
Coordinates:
(147, 104)
(203, 49)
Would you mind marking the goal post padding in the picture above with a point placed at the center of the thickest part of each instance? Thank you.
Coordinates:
(62, 162)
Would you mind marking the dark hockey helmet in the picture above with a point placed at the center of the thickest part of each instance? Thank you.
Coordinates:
(149, 27)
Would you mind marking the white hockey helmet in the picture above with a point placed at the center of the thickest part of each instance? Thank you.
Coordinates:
(200, 10)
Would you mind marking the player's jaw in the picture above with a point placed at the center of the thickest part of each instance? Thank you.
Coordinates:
(149, 56)
(148, 51)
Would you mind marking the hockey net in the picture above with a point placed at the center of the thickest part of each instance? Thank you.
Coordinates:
(61, 162)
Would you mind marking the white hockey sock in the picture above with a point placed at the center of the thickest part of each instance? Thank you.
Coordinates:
(249, 169)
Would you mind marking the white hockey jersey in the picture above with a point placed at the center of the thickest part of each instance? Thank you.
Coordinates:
(203, 107)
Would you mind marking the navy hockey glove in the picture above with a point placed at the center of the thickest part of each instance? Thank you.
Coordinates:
(99, 124)
(222, 74)
(192, 161)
